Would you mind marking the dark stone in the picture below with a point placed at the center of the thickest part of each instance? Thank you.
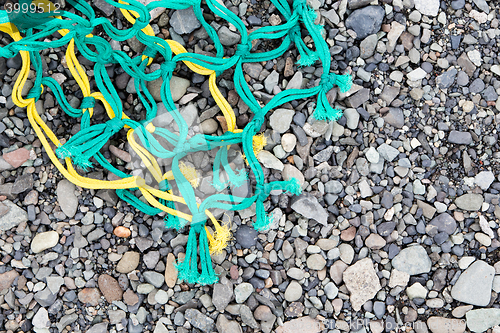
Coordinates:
(246, 236)
(366, 21)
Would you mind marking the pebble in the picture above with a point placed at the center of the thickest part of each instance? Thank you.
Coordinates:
(44, 241)
(316, 262)
(352, 117)
(362, 282)
(281, 119)
(412, 260)
(484, 179)
(199, 320)
(67, 198)
(184, 21)
(445, 325)
(480, 320)
(474, 284)
(128, 262)
(171, 271)
(309, 207)
(227, 37)
(246, 236)
(427, 7)
(469, 201)
(365, 21)
(11, 215)
(242, 292)
(293, 292)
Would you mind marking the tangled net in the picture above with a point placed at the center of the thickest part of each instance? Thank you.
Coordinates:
(152, 143)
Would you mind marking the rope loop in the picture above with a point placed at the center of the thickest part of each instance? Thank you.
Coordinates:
(87, 102)
(243, 49)
(35, 92)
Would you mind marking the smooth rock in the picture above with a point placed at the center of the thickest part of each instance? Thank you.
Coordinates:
(412, 260)
(474, 284)
(469, 201)
(67, 198)
(44, 241)
(427, 7)
(445, 325)
(480, 320)
(128, 262)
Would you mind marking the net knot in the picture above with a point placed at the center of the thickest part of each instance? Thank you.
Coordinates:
(87, 102)
(168, 66)
(115, 124)
(243, 49)
(35, 92)
(150, 52)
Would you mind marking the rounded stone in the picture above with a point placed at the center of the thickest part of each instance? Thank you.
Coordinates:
(293, 292)
(44, 241)
(316, 262)
(288, 142)
(128, 262)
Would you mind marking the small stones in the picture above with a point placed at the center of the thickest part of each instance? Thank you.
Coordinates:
(474, 284)
(44, 241)
(122, 232)
(128, 262)
(412, 260)
(362, 282)
(110, 288)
